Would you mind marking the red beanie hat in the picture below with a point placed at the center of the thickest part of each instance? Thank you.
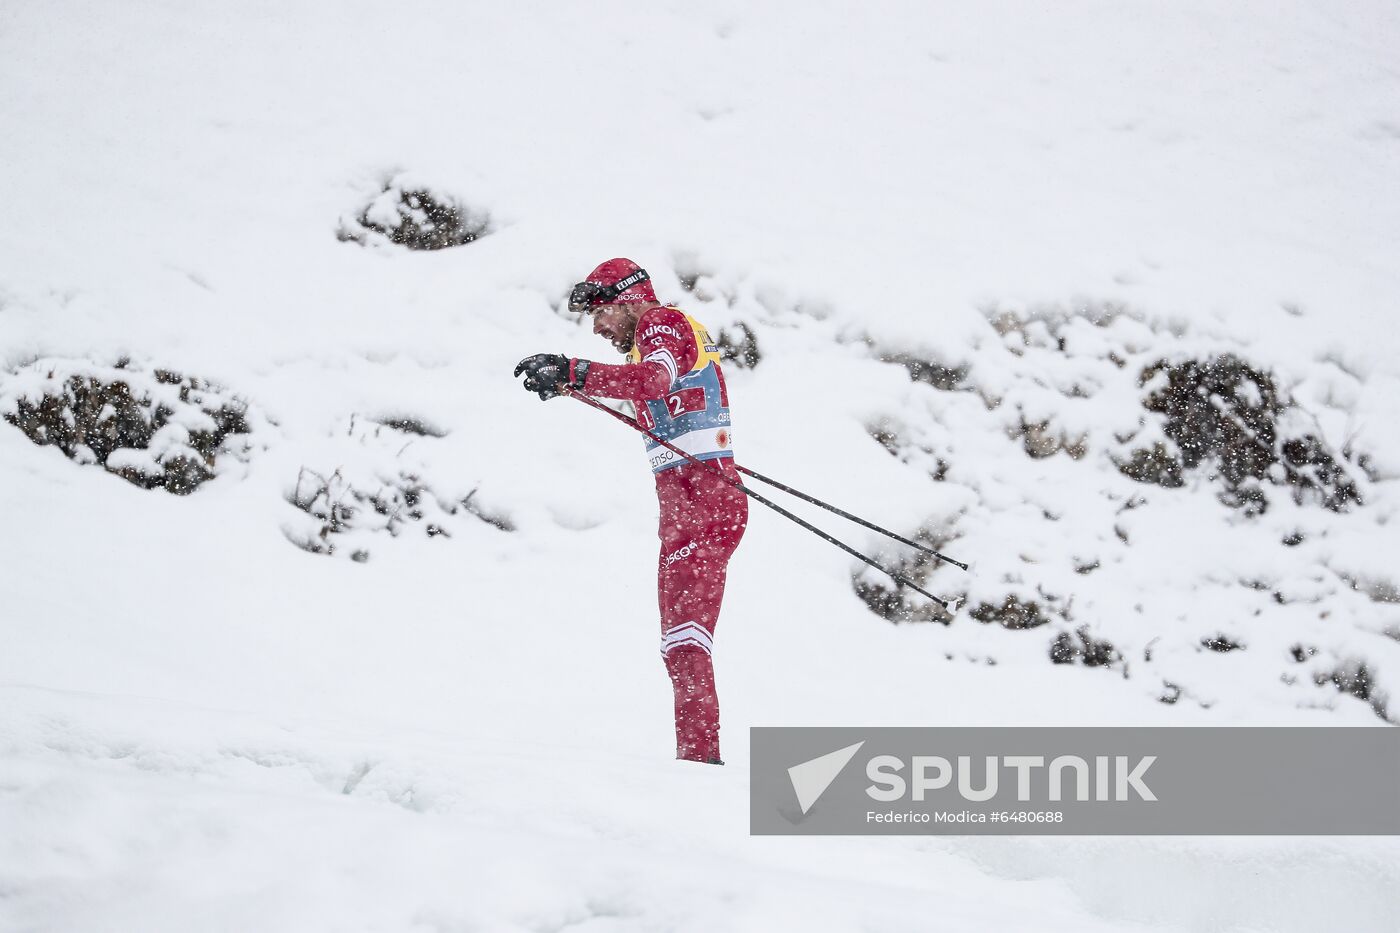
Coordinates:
(614, 271)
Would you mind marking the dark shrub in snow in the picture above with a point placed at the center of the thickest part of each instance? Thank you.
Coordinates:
(411, 424)
(1221, 643)
(1224, 412)
(898, 604)
(392, 503)
(1302, 652)
(1011, 613)
(1082, 647)
(155, 428)
(933, 372)
(1154, 465)
(416, 217)
(739, 345)
(1038, 440)
(1357, 679)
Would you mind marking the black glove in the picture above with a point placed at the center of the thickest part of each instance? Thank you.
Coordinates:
(548, 374)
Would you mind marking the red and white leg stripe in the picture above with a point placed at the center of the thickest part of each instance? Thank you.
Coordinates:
(687, 633)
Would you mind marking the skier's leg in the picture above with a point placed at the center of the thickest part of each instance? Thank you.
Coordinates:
(691, 588)
(702, 520)
(686, 644)
(696, 703)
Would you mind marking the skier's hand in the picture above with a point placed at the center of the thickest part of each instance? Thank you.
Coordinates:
(549, 374)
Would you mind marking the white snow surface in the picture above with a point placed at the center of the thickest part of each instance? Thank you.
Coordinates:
(206, 726)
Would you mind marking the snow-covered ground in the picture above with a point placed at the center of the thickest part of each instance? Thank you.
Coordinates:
(204, 725)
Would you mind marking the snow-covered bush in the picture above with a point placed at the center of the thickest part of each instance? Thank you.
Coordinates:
(1221, 643)
(382, 486)
(156, 428)
(1083, 648)
(739, 345)
(1010, 613)
(1355, 677)
(890, 434)
(1159, 545)
(1226, 413)
(936, 373)
(887, 599)
(416, 216)
(895, 602)
(341, 507)
(390, 504)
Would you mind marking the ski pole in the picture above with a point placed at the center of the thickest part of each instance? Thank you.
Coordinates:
(844, 514)
(948, 605)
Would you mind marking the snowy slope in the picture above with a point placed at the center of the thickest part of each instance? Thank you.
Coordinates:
(207, 726)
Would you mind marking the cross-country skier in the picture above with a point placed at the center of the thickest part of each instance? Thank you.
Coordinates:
(673, 379)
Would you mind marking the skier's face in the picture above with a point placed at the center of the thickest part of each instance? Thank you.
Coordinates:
(617, 323)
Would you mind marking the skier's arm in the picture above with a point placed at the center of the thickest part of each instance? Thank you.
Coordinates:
(666, 344)
(645, 380)
(549, 374)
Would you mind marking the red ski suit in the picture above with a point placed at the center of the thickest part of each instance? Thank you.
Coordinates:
(702, 517)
